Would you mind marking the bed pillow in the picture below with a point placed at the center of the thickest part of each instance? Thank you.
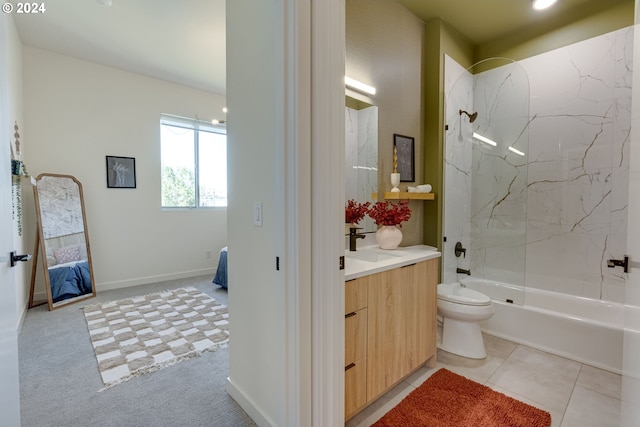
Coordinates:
(68, 254)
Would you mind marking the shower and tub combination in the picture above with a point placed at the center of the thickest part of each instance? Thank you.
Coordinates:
(535, 175)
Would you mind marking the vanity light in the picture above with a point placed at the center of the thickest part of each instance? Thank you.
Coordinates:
(542, 4)
(217, 122)
(359, 86)
(224, 110)
(516, 151)
(485, 139)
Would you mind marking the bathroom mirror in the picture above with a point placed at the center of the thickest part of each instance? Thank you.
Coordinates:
(361, 154)
(63, 240)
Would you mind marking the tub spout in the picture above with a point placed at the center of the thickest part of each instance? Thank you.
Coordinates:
(463, 271)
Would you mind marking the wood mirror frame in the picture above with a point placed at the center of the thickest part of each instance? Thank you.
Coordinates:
(63, 239)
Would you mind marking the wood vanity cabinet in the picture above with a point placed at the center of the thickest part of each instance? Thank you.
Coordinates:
(399, 306)
(355, 324)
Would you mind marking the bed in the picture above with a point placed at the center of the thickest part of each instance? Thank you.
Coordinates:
(69, 280)
(220, 278)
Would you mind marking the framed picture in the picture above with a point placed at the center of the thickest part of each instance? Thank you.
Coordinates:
(121, 172)
(404, 147)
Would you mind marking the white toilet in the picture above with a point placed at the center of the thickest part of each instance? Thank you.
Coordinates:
(462, 309)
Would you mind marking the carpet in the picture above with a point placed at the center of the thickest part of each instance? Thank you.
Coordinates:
(143, 334)
(447, 399)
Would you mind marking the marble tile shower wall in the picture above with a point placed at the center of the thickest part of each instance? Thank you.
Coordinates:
(574, 177)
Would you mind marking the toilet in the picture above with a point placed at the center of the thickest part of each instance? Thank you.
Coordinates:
(461, 310)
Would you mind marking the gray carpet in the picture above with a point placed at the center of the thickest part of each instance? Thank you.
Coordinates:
(60, 382)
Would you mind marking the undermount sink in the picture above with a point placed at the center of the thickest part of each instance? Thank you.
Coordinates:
(371, 255)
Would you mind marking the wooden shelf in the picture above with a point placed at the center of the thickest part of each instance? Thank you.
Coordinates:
(388, 195)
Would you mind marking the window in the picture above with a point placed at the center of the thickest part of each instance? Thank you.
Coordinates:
(193, 163)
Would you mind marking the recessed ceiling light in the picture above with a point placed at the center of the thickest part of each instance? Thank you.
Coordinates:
(542, 4)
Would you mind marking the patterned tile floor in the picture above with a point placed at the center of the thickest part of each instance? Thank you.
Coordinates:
(575, 394)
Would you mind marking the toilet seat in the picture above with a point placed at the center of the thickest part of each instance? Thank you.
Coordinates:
(457, 294)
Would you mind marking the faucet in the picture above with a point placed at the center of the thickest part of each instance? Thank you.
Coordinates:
(353, 237)
(463, 271)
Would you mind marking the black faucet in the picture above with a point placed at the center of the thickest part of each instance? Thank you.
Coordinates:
(463, 271)
(353, 236)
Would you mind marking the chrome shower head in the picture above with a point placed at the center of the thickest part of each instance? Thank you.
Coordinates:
(472, 117)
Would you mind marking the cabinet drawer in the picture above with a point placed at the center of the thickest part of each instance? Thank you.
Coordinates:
(355, 328)
(355, 387)
(355, 297)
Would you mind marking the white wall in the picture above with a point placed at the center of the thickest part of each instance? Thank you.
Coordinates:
(76, 113)
(257, 298)
(287, 132)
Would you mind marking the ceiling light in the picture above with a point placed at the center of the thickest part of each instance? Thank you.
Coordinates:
(359, 86)
(542, 4)
(516, 151)
(224, 110)
(484, 139)
(105, 2)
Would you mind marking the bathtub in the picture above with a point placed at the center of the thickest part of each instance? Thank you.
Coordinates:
(586, 330)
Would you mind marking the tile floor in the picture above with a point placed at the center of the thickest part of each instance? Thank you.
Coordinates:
(576, 395)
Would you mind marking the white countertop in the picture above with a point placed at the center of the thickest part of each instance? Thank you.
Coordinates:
(371, 259)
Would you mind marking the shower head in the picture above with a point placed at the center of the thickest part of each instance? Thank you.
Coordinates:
(472, 117)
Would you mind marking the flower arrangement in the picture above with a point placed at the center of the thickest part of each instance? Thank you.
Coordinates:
(387, 213)
(355, 211)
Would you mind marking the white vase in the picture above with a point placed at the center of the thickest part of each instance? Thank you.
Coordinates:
(395, 181)
(388, 237)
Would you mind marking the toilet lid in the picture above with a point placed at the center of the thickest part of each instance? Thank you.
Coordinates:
(455, 293)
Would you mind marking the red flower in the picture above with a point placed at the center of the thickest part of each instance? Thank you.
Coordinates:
(354, 211)
(387, 213)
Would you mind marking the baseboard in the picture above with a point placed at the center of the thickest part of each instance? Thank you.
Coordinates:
(154, 279)
(247, 405)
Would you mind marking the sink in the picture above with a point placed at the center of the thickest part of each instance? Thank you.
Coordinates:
(371, 255)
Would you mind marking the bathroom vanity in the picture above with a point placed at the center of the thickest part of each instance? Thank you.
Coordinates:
(390, 319)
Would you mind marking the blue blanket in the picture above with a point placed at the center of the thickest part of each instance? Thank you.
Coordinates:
(220, 278)
(68, 281)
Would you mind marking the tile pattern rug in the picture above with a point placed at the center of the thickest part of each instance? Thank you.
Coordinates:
(143, 334)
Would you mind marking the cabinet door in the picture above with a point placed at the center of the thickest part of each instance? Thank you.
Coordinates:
(355, 334)
(386, 347)
(355, 294)
(355, 390)
(421, 281)
(402, 323)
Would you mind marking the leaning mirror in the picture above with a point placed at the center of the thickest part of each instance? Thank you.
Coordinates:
(361, 155)
(63, 239)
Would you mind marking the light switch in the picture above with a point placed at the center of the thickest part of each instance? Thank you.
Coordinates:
(257, 214)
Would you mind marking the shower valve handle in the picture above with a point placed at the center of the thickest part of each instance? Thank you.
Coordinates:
(459, 250)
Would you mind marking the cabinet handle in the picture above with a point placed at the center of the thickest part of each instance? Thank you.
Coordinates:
(408, 265)
(353, 313)
(349, 366)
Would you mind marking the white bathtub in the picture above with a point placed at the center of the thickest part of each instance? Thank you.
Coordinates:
(582, 329)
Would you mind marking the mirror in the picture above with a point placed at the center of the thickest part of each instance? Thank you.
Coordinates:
(361, 155)
(63, 240)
